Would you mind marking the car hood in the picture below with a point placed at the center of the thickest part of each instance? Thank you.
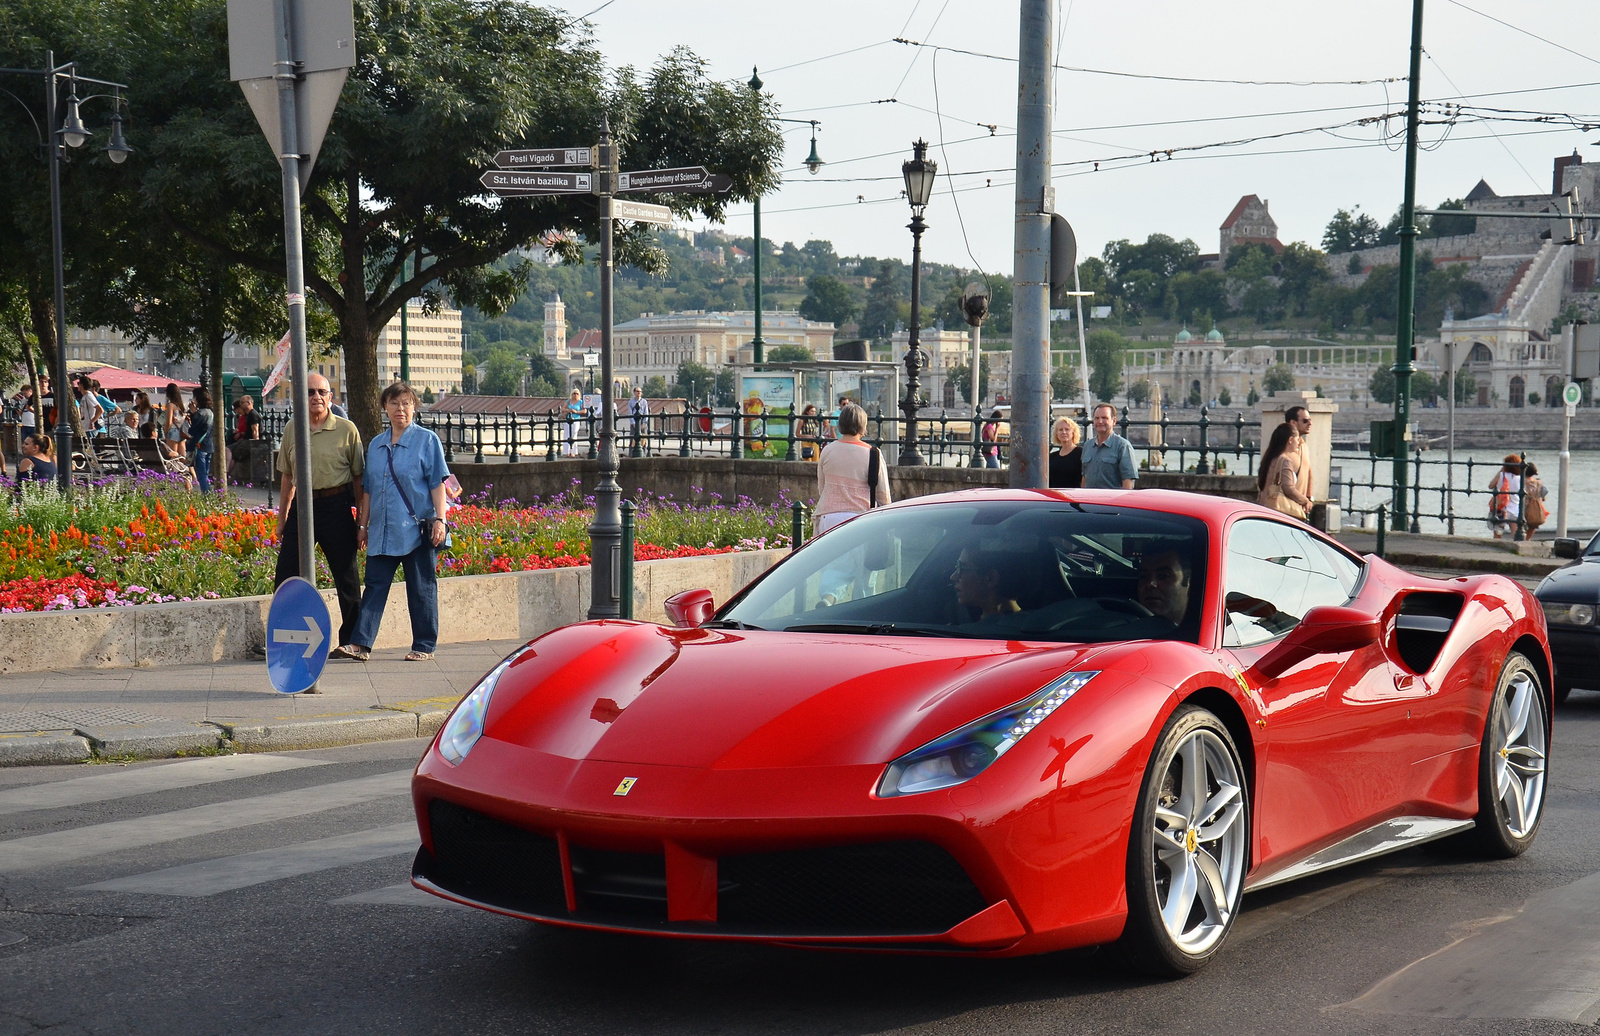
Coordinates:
(640, 693)
(1578, 582)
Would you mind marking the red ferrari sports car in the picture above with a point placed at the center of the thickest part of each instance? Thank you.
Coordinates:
(996, 722)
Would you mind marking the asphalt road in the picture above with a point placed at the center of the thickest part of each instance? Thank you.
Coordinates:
(267, 893)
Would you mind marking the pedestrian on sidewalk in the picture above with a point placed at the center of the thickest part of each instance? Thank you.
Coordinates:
(337, 464)
(172, 418)
(402, 526)
(990, 434)
(1299, 418)
(851, 476)
(1534, 492)
(1279, 477)
(202, 437)
(1066, 460)
(1505, 496)
(1107, 456)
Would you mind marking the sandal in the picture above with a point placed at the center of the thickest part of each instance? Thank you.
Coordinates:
(355, 651)
(419, 656)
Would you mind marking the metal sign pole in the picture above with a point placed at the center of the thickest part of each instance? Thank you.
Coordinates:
(605, 535)
(289, 160)
(1565, 475)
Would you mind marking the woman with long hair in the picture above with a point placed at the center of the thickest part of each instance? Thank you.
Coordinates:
(173, 418)
(202, 437)
(143, 407)
(990, 434)
(1278, 478)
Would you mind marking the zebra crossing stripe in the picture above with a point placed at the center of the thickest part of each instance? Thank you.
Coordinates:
(60, 847)
(121, 784)
(209, 877)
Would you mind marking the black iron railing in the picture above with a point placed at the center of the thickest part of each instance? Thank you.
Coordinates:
(944, 438)
(1454, 493)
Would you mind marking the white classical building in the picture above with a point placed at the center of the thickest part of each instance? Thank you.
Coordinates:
(944, 349)
(1202, 366)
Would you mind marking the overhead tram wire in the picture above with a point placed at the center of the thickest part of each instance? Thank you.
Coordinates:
(1525, 32)
(951, 188)
(1140, 162)
(914, 57)
(1504, 146)
(1154, 76)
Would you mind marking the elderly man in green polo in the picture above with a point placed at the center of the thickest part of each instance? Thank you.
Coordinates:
(337, 463)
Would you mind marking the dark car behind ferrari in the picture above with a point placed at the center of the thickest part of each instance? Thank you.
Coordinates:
(1570, 597)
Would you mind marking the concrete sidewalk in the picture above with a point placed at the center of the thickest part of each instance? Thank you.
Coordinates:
(72, 715)
(1527, 562)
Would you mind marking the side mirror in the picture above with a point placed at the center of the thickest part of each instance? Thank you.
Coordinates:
(1564, 548)
(690, 608)
(1325, 630)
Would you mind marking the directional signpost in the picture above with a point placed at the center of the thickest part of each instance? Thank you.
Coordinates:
(544, 158)
(298, 633)
(640, 211)
(520, 175)
(511, 184)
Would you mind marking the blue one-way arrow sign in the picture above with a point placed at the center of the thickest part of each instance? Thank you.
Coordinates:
(298, 631)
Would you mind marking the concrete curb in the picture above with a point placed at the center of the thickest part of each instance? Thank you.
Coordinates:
(42, 749)
(1510, 565)
(166, 740)
(321, 731)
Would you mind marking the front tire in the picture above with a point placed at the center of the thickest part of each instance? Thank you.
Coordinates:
(1511, 764)
(1188, 849)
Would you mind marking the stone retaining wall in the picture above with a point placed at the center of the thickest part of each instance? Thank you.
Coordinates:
(493, 607)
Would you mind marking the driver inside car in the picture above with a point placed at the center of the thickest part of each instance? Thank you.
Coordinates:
(1164, 581)
(985, 580)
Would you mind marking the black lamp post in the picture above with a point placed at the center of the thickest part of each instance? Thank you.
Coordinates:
(66, 129)
(758, 345)
(919, 173)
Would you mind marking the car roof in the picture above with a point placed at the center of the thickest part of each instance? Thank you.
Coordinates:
(1214, 510)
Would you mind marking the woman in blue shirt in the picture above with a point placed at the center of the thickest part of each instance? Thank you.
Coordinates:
(401, 525)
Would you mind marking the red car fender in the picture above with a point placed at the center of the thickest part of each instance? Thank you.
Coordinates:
(1069, 845)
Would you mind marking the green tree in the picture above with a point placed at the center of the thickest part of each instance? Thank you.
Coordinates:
(427, 395)
(961, 375)
(724, 387)
(1466, 387)
(1105, 348)
(655, 387)
(1065, 384)
(1382, 386)
(1302, 270)
(790, 354)
(694, 382)
(882, 311)
(441, 85)
(1139, 392)
(1225, 397)
(1348, 231)
(543, 388)
(1252, 397)
(1447, 226)
(1277, 378)
(502, 372)
(829, 299)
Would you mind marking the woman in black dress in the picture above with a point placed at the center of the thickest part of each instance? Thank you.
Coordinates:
(1066, 460)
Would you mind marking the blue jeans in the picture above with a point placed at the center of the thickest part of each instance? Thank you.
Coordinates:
(422, 597)
(991, 460)
(202, 471)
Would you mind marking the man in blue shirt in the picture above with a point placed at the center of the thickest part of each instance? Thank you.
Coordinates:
(1107, 456)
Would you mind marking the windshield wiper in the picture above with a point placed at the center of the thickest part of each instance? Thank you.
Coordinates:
(730, 624)
(888, 629)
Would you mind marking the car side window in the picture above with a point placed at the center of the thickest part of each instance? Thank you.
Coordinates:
(1274, 575)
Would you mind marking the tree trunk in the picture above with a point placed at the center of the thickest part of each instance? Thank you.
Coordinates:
(357, 339)
(43, 313)
(219, 411)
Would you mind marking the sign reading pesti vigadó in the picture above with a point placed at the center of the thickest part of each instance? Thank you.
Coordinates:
(535, 158)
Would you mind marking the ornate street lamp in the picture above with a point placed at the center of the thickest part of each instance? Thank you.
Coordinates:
(64, 128)
(813, 163)
(919, 173)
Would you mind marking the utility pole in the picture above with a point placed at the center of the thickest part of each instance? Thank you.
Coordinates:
(1035, 201)
(1404, 322)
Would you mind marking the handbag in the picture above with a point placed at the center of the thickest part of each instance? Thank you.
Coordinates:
(424, 528)
(874, 466)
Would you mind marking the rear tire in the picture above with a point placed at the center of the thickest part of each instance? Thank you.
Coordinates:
(1511, 763)
(1188, 849)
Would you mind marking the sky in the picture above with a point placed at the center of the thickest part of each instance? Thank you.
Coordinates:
(835, 61)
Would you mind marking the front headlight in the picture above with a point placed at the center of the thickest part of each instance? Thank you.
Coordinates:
(465, 725)
(962, 754)
(1558, 614)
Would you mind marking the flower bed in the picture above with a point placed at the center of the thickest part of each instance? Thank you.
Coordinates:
(149, 540)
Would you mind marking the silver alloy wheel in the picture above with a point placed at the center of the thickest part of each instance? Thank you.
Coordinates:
(1519, 755)
(1199, 847)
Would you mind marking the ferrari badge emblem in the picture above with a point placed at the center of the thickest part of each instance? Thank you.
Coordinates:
(1190, 842)
(626, 786)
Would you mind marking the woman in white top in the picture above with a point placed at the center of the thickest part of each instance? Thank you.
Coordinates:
(842, 473)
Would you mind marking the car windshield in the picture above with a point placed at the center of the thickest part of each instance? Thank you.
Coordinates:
(1005, 570)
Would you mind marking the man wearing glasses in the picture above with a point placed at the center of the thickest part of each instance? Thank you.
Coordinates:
(337, 464)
